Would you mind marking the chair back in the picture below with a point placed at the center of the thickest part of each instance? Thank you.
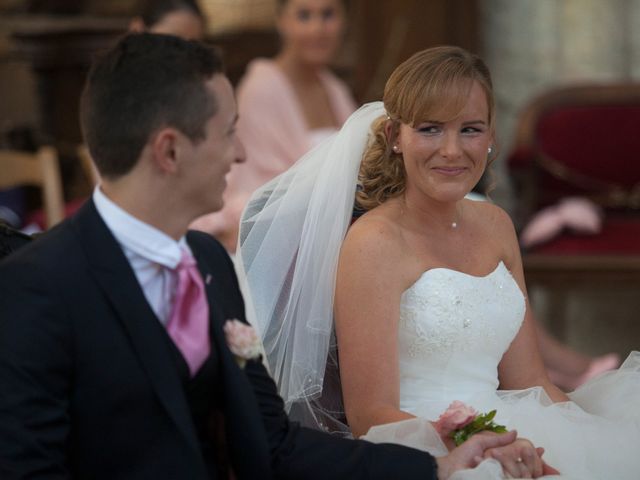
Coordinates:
(580, 140)
(38, 169)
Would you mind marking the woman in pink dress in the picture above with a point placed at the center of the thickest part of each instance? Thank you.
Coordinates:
(286, 105)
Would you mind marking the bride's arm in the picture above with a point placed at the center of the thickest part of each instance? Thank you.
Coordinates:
(367, 310)
(522, 366)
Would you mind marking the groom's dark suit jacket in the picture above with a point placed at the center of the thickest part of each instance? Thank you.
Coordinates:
(91, 387)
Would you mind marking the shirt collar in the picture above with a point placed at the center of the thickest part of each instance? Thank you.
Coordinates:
(138, 236)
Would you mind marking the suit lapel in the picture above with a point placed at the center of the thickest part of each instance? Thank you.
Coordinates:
(113, 273)
(244, 425)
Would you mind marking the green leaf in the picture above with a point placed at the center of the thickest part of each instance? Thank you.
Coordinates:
(459, 437)
(478, 424)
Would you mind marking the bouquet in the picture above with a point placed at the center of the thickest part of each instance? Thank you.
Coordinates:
(459, 422)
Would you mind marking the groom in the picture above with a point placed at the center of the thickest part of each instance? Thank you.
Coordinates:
(113, 359)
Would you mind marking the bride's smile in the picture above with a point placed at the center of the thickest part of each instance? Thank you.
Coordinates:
(445, 159)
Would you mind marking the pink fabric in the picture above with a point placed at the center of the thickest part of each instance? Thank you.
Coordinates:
(619, 236)
(188, 324)
(577, 214)
(597, 365)
(273, 130)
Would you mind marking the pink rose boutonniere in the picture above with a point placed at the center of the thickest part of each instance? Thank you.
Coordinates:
(459, 422)
(242, 341)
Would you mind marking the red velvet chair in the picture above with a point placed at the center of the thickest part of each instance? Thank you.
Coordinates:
(582, 141)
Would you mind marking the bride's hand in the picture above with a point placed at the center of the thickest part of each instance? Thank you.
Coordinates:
(546, 469)
(521, 459)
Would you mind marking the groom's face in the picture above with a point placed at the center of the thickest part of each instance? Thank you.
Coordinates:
(210, 159)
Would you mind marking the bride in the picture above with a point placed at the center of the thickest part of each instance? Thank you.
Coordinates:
(427, 286)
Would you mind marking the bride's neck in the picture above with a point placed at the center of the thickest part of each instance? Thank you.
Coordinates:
(429, 214)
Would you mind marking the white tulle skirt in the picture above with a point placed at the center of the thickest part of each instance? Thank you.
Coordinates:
(594, 436)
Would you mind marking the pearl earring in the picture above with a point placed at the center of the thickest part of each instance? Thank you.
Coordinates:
(396, 149)
(489, 150)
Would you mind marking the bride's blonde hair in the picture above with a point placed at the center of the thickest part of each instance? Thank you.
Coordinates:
(433, 84)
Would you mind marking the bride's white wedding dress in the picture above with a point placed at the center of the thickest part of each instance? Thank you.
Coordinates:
(453, 330)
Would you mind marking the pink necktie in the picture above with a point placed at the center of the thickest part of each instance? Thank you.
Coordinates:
(188, 324)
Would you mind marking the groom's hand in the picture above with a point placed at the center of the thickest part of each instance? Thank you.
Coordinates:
(471, 452)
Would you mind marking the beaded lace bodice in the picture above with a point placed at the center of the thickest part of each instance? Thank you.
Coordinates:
(453, 330)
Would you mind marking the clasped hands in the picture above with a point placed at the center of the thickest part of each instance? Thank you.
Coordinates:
(518, 456)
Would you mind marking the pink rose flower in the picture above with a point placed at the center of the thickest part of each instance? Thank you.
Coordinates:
(456, 416)
(242, 340)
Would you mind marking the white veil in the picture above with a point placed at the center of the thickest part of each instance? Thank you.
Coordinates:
(290, 237)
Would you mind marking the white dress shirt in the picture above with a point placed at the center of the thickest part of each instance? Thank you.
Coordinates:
(152, 254)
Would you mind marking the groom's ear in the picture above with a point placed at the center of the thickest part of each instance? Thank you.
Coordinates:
(164, 148)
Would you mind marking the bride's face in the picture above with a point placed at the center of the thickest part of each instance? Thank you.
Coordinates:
(445, 160)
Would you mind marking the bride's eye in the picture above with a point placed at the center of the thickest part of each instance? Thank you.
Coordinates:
(429, 129)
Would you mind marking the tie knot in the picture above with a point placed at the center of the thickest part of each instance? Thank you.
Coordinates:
(186, 260)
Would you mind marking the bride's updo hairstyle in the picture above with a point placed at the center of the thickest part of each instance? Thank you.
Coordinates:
(433, 84)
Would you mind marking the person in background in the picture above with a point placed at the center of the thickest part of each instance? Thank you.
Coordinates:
(286, 105)
(182, 18)
(567, 367)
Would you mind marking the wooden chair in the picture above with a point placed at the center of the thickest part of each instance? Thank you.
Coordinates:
(39, 169)
(582, 141)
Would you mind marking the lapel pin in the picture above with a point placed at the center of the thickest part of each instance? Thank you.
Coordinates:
(207, 280)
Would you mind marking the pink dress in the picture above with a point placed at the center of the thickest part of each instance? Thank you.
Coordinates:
(273, 130)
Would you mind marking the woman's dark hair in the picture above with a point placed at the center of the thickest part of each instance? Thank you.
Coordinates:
(283, 3)
(152, 11)
(144, 83)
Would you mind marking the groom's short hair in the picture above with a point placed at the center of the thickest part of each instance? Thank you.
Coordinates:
(144, 83)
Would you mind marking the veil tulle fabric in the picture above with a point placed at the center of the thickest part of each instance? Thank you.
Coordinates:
(290, 237)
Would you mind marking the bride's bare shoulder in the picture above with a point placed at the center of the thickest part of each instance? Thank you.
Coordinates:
(373, 244)
(494, 224)
(490, 216)
(376, 228)
(374, 237)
